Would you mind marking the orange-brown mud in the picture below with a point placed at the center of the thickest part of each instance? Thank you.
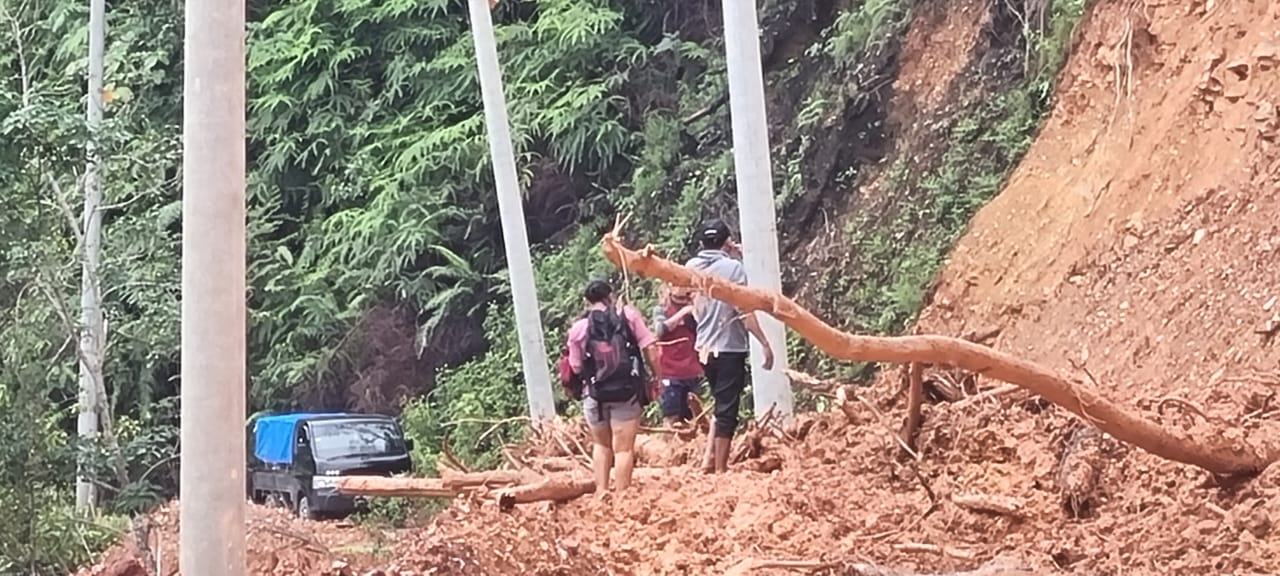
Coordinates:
(841, 495)
(1138, 240)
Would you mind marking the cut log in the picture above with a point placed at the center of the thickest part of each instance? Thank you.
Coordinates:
(991, 503)
(521, 487)
(383, 486)
(488, 478)
(558, 488)
(1223, 454)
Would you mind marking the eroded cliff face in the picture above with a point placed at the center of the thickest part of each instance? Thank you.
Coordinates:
(1138, 236)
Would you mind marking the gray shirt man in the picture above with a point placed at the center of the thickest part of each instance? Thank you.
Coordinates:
(720, 327)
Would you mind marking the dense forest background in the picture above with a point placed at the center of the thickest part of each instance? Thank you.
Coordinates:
(376, 270)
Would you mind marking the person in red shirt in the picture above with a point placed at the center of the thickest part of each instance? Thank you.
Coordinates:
(681, 371)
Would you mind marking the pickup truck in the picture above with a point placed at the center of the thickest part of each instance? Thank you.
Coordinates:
(296, 459)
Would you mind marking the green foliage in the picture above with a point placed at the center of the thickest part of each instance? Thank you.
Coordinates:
(856, 29)
(471, 405)
(397, 513)
(900, 249)
(374, 172)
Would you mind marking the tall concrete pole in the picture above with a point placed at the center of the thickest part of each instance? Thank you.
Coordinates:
(92, 337)
(213, 291)
(524, 293)
(755, 195)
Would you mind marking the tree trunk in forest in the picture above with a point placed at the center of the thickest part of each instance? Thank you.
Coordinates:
(1229, 454)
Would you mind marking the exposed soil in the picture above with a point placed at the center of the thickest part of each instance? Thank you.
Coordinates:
(841, 495)
(1135, 246)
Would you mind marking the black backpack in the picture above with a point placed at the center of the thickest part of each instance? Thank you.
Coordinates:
(615, 369)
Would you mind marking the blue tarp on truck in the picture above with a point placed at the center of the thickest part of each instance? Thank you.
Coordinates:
(273, 436)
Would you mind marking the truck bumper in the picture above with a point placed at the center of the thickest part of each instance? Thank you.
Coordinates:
(329, 501)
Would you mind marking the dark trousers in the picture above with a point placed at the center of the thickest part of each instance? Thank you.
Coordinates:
(727, 374)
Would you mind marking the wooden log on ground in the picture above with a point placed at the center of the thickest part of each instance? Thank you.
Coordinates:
(450, 484)
(521, 488)
(1223, 454)
(559, 488)
(383, 486)
(489, 478)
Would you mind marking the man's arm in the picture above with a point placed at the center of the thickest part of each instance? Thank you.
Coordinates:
(750, 321)
(753, 326)
(660, 321)
(664, 324)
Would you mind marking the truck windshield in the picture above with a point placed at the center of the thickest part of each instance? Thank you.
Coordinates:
(353, 439)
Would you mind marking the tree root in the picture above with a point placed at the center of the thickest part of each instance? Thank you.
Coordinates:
(1222, 454)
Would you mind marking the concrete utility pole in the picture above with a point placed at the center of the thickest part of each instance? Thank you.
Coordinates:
(755, 195)
(213, 291)
(524, 292)
(92, 335)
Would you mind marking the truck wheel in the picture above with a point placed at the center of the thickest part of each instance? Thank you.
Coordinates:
(304, 508)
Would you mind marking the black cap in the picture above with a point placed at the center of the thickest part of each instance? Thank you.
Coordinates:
(713, 231)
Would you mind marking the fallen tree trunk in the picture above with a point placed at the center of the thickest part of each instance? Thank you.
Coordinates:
(520, 486)
(558, 488)
(488, 478)
(1229, 455)
(383, 486)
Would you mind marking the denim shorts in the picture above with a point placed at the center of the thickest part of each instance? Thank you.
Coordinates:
(675, 397)
(605, 413)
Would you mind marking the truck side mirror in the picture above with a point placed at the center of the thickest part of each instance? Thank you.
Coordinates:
(408, 444)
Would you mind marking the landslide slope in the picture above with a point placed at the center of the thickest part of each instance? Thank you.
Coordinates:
(1136, 239)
